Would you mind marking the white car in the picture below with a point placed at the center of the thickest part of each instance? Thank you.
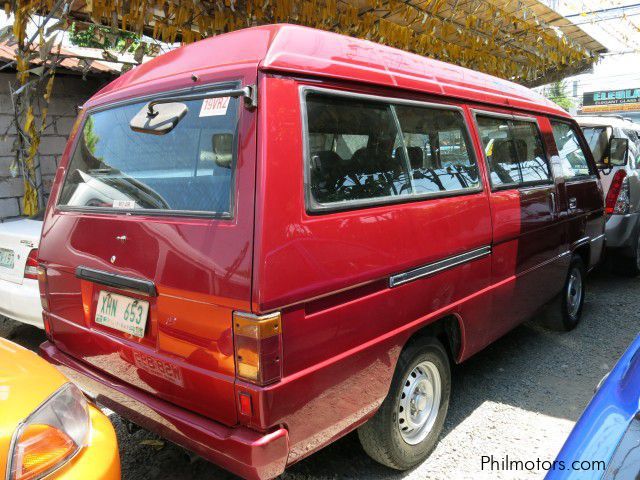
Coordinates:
(19, 293)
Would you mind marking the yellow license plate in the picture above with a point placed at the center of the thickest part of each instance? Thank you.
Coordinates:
(129, 315)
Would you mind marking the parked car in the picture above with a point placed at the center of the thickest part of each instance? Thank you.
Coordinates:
(604, 442)
(19, 293)
(345, 220)
(48, 429)
(615, 143)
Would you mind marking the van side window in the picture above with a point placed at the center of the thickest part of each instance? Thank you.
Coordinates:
(439, 153)
(353, 148)
(514, 151)
(572, 158)
(361, 149)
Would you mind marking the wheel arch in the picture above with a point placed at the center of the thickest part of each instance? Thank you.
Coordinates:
(583, 250)
(448, 329)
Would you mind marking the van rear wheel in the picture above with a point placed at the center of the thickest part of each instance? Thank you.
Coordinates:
(565, 312)
(406, 428)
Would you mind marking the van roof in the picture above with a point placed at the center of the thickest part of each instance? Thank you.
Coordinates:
(302, 50)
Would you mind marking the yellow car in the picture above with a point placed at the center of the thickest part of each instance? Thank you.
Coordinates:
(48, 429)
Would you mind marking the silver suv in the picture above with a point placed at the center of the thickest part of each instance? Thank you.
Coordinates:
(615, 143)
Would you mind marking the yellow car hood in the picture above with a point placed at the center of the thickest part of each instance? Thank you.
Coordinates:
(26, 380)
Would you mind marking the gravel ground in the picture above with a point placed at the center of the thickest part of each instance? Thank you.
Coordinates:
(520, 397)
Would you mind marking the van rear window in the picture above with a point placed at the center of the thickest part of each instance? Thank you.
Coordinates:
(363, 150)
(188, 169)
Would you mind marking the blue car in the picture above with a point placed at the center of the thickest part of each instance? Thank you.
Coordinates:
(605, 443)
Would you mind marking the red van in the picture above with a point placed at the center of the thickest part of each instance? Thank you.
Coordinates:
(262, 241)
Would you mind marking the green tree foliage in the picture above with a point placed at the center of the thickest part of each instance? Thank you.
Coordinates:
(95, 36)
(557, 92)
(91, 139)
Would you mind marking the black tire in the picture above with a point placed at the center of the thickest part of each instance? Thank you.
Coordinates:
(381, 437)
(562, 314)
(628, 263)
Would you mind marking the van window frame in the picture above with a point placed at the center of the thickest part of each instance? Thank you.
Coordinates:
(516, 117)
(586, 150)
(198, 214)
(313, 207)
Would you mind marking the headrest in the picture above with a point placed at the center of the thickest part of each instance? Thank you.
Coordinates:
(503, 151)
(368, 161)
(416, 157)
(325, 160)
(521, 148)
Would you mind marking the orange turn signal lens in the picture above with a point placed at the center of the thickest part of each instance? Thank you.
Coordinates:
(258, 347)
(39, 449)
(43, 283)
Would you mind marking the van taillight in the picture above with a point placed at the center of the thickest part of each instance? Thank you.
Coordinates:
(257, 342)
(618, 195)
(44, 287)
(31, 267)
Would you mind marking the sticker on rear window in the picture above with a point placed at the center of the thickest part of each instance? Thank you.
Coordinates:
(126, 204)
(214, 106)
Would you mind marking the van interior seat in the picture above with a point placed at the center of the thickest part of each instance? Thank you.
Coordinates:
(371, 161)
(326, 172)
(416, 157)
(502, 160)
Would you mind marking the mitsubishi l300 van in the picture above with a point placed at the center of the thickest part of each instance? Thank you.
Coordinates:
(262, 241)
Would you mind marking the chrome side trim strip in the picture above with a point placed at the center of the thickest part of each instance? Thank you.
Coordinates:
(438, 266)
(580, 242)
(595, 239)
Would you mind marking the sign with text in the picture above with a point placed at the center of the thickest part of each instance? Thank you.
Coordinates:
(611, 101)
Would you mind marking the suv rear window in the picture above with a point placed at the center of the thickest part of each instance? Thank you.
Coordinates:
(189, 169)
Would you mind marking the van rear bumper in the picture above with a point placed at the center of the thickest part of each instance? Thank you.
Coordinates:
(240, 450)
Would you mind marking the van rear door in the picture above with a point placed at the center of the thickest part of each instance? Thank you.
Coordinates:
(148, 249)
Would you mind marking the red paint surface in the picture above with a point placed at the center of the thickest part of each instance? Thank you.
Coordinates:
(343, 327)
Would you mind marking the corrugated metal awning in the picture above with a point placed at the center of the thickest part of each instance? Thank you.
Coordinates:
(521, 40)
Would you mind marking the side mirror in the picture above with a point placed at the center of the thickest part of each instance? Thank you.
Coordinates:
(618, 152)
(222, 149)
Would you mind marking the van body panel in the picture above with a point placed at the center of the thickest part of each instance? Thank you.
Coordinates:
(200, 267)
(352, 285)
(327, 248)
(580, 201)
(341, 386)
(527, 250)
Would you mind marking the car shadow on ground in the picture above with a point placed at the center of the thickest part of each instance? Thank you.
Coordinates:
(531, 368)
(25, 335)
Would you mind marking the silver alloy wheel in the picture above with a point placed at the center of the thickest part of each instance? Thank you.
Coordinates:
(419, 402)
(574, 292)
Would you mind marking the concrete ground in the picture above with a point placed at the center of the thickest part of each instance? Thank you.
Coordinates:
(520, 397)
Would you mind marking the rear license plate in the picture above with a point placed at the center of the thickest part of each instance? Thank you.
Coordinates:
(6, 258)
(129, 315)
